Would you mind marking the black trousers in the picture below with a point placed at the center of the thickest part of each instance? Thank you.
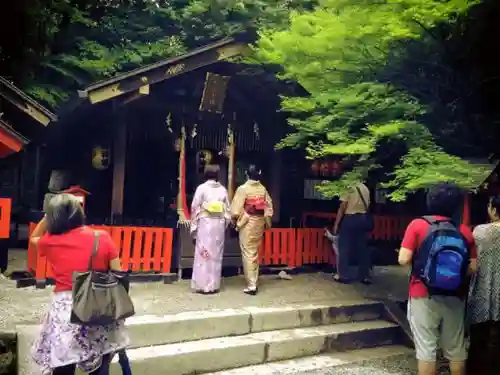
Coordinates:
(353, 239)
(70, 369)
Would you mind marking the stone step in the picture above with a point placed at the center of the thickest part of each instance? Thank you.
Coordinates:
(223, 353)
(149, 330)
(322, 362)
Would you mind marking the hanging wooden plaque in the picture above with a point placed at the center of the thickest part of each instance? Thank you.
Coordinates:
(214, 93)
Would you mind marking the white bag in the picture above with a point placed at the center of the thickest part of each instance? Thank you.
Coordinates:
(334, 240)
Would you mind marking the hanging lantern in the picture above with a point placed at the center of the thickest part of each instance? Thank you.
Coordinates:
(324, 168)
(100, 158)
(335, 168)
(315, 167)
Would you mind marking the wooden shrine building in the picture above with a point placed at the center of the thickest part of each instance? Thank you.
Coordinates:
(138, 143)
(22, 121)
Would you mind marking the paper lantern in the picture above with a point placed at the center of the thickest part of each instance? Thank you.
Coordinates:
(315, 167)
(335, 168)
(324, 168)
(100, 158)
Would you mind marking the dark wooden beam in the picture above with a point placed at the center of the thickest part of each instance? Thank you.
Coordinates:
(154, 73)
(26, 104)
(119, 156)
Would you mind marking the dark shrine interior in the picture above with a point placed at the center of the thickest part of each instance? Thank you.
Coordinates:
(153, 123)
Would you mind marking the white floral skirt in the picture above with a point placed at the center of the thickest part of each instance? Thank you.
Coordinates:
(62, 343)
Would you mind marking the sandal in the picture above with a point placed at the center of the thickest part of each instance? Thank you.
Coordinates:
(207, 293)
(250, 291)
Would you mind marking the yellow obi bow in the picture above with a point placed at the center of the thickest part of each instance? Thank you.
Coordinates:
(214, 207)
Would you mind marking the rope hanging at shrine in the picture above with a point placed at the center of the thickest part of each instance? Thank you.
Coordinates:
(182, 208)
(231, 156)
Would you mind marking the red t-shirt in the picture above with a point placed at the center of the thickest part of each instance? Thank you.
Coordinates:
(70, 252)
(412, 240)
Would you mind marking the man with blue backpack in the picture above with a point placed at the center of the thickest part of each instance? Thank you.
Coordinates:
(442, 255)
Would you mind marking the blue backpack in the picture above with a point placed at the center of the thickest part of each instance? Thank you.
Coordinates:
(442, 261)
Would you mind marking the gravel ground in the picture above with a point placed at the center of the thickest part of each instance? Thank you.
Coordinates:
(400, 365)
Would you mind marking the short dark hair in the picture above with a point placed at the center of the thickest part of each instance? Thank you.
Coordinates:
(443, 199)
(495, 203)
(253, 172)
(211, 172)
(64, 213)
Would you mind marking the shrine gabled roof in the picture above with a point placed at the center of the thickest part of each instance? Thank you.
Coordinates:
(22, 119)
(140, 79)
(25, 103)
(10, 140)
(489, 166)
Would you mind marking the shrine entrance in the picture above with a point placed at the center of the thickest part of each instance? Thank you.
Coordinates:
(143, 138)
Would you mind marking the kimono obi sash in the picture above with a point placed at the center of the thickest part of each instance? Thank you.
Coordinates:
(255, 206)
(214, 208)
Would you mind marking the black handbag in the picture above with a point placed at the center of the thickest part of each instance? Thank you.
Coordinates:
(369, 220)
(100, 298)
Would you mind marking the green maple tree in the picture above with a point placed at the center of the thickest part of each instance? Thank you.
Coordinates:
(338, 53)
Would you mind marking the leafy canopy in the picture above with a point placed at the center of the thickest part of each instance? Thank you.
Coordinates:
(101, 38)
(338, 52)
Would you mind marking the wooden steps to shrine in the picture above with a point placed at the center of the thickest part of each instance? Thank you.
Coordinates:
(221, 340)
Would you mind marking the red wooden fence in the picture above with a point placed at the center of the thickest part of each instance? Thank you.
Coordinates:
(141, 249)
(150, 249)
(387, 227)
(5, 210)
(297, 247)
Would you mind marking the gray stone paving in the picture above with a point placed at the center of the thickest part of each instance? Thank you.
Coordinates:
(400, 365)
(27, 305)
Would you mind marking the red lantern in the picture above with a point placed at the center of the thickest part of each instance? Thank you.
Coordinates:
(315, 167)
(335, 168)
(323, 168)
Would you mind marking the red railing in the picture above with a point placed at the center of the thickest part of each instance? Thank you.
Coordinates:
(141, 249)
(307, 246)
(150, 249)
(5, 211)
(387, 227)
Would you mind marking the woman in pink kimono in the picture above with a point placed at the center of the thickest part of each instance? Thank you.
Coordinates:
(209, 219)
(252, 209)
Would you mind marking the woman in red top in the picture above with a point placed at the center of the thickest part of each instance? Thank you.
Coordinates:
(67, 243)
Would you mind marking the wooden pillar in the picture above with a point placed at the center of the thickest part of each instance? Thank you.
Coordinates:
(119, 157)
(231, 161)
(275, 189)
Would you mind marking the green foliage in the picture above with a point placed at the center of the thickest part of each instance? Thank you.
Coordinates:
(106, 37)
(424, 167)
(338, 52)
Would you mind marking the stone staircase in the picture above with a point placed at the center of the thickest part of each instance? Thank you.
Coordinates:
(255, 340)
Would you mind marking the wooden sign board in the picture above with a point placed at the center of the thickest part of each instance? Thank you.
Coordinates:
(214, 93)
